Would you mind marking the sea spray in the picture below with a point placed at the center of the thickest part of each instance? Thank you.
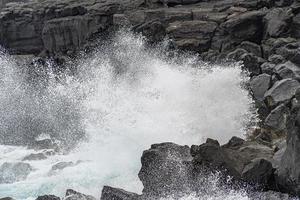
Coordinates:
(123, 98)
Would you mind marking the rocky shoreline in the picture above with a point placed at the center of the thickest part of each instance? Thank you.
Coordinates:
(262, 34)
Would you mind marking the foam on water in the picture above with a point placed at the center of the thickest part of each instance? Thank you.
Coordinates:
(129, 97)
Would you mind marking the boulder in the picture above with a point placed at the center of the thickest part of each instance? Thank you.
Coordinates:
(259, 85)
(277, 119)
(165, 169)
(288, 70)
(288, 171)
(73, 195)
(259, 171)
(277, 22)
(267, 68)
(192, 35)
(276, 59)
(247, 26)
(35, 156)
(252, 63)
(236, 55)
(13, 172)
(290, 52)
(271, 45)
(251, 48)
(110, 193)
(282, 91)
(212, 156)
(48, 197)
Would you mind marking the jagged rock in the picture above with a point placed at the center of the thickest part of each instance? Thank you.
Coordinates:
(290, 52)
(259, 171)
(276, 59)
(33, 156)
(244, 27)
(193, 35)
(288, 172)
(68, 33)
(277, 22)
(109, 193)
(271, 45)
(236, 54)
(282, 91)
(13, 172)
(73, 195)
(267, 68)
(252, 63)
(165, 169)
(48, 197)
(211, 155)
(251, 48)
(234, 142)
(288, 70)
(153, 30)
(259, 85)
(277, 119)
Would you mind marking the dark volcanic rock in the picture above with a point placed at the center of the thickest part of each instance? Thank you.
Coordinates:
(277, 119)
(165, 169)
(109, 193)
(282, 91)
(278, 21)
(251, 48)
(48, 197)
(288, 171)
(193, 35)
(244, 27)
(259, 171)
(211, 155)
(73, 195)
(259, 85)
(288, 70)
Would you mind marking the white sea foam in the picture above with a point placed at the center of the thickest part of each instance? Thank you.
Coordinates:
(129, 97)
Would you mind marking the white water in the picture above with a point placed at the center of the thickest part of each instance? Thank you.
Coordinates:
(152, 99)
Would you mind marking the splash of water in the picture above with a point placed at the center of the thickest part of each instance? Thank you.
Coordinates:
(124, 98)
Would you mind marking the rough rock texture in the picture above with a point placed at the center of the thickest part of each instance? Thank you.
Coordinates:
(282, 91)
(73, 195)
(171, 175)
(109, 193)
(289, 172)
(259, 85)
(48, 197)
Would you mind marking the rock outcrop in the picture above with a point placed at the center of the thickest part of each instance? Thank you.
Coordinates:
(170, 169)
